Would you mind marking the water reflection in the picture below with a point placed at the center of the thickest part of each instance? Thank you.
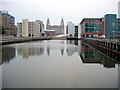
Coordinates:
(7, 54)
(62, 51)
(26, 51)
(86, 53)
(119, 76)
(90, 55)
(57, 64)
(48, 51)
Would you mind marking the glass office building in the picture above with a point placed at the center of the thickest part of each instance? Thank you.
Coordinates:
(11, 19)
(92, 27)
(118, 27)
(110, 25)
(107, 27)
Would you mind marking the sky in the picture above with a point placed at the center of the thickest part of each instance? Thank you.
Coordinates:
(69, 10)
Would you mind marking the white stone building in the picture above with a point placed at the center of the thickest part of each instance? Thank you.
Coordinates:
(71, 28)
(28, 29)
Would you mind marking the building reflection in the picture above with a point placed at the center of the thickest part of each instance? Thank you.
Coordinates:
(7, 54)
(76, 42)
(119, 76)
(87, 54)
(108, 63)
(90, 55)
(48, 50)
(71, 50)
(26, 51)
(0, 56)
(73, 42)
(62, 51)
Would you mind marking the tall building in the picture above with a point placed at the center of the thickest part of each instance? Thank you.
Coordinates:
(48, 25)
(79, 30)
(101, 27)
(11, 19)
(42, 31)
(110, 26)
(118, 27)
(70, 28)
(28, 29)
(119, 9)
(36, 29)
(58, 29)
(4, 20)
(25, 27)
(76, 31)
(8, 23)
(92, 27)
(31, 29)
(19, 28)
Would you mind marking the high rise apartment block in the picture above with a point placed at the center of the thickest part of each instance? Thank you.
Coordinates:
(110, 25)
(28, 29)
(76, 31)
(8, 23)
(25, 27)
(11, 19)
(70, 29)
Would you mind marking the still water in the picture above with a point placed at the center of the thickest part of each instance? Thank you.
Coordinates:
(56, 64)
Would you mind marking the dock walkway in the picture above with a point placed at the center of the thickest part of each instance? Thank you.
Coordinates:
(12, 40)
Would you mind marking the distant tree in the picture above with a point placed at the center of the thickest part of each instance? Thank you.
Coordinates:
(70, 35)
(2, 30)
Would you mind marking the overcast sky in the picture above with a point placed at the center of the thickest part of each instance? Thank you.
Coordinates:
(69, 10)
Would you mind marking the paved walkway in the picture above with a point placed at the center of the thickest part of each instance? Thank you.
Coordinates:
(11, 39)
(106, 40)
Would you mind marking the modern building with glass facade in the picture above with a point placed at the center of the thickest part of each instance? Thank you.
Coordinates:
(118, 27)
(110, 25)
(11, 19)
(7, 25)
(92, 27)
(107, 27)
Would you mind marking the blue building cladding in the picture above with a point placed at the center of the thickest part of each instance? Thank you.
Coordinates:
(110, 25)
(118, 27)
(11, 19)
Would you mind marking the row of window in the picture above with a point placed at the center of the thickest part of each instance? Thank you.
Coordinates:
(118, 20)
(94, 20)
(92, 31)
(93, 24)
